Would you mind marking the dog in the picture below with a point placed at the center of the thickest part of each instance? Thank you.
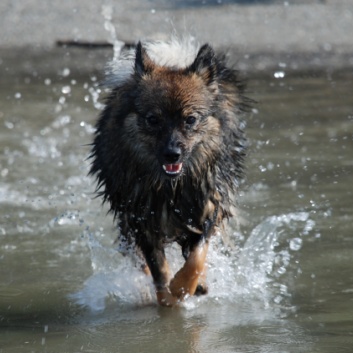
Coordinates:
(168, 155)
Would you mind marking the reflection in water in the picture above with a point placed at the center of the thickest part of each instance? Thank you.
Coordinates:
(243, 327)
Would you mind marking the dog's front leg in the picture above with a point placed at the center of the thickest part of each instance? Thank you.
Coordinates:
(158, 265)
(186, 280)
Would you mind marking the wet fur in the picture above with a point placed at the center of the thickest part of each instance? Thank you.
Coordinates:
(128, 151)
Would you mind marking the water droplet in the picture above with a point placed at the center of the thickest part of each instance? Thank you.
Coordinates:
(4, 172)
(9, 124)
(279, 74)
(278, 299)
(65, 72)
(18, 95)
(295, 244)
(47, 81)
(66, 90)
(282, 270)
(270, 165)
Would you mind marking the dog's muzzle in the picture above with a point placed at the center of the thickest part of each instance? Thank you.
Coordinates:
(172, 164)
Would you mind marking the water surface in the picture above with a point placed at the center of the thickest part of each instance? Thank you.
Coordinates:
(282, 283)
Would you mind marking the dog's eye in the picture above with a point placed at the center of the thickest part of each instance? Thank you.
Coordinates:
(152, 120)
(190, 120)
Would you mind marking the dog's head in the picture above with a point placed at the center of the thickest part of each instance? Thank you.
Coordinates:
(175, 111)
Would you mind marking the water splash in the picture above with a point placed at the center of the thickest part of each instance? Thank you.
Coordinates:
(95, 90)
(107, 12)
(268, 255)
(256, 270)
(115, 279)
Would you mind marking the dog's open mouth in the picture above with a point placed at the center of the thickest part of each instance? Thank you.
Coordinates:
(173, 169)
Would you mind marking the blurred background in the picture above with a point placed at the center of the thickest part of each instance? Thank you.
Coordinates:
(317, 33)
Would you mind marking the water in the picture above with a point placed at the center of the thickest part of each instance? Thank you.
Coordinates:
(282, 282)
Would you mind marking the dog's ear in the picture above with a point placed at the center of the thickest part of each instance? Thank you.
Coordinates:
(143, 63)
(205, 64)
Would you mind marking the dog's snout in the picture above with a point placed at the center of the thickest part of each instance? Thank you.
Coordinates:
(172, 152)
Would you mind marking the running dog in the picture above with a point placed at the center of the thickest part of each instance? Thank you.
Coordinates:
(168, 155)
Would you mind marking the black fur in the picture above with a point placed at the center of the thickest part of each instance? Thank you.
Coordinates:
(153, 208)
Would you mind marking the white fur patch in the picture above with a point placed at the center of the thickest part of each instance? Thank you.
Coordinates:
(178, 53)
(175, 53)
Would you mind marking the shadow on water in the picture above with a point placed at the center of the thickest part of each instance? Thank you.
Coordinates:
(282, 283)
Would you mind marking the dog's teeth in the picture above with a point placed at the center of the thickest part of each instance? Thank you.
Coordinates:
(172, 169)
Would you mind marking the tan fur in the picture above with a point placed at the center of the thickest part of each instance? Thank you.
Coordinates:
(187, 278)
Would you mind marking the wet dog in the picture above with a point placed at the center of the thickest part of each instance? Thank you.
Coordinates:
(168, 155)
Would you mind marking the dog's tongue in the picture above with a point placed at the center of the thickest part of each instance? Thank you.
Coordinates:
(172, 168)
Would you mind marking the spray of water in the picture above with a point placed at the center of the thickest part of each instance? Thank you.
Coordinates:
(94, 89)
(107, 12)
(258, 268)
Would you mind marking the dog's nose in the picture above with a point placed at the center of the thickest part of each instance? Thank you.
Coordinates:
(172, 153)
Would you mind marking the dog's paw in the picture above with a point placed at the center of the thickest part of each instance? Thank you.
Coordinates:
(201, 289)
(166, 298)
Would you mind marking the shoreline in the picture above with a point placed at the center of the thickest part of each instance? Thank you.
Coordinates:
(38, 62)
(260, 36)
